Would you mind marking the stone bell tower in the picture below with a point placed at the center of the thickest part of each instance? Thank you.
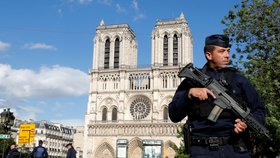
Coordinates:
(172, 43)
(115, 46)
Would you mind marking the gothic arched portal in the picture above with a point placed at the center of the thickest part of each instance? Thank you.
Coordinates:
(135, 148)
(168, 150)
(105, 150)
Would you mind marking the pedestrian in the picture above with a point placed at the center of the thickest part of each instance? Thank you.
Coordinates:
(39, 151)
(227, 136)
(13, 152)
(71, 153)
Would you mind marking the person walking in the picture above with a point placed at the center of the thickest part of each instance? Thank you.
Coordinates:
(71, 153)
(39, 151)
(13, 152)
(227, 136)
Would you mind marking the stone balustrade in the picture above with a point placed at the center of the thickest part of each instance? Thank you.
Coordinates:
(133, 128)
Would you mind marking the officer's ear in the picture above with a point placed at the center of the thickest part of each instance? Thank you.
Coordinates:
(208, 55)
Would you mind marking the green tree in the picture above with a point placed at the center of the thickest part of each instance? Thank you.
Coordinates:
(254, 29)
(25, 152)
(4, 143)
(180, 151)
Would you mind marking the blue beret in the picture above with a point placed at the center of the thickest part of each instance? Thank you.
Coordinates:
(217, 40)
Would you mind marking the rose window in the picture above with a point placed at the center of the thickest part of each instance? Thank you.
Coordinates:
(140, 108)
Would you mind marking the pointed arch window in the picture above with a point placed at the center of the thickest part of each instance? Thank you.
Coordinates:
(107, 54)
(175, 50)
(165, 50)
(116, 53)
(165, 113)
(104, 114)
(114, 114)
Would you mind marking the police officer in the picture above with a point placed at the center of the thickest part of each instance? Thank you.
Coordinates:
(71, 153)
(225, 137)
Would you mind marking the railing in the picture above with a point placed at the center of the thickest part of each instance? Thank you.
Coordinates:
(132, 67)
(133, 128)
(128, 121)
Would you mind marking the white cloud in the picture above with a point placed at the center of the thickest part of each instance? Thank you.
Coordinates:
(26, 115)
(56, 81)
(60, 12)
(139, 16)
(39, 46)
(57, 107)
(134, 4)
(120, 9)
(84, 1)
(42, 103)
(106, 2)
(30, 109)
(135, 7)
(70, 122)
(4, 46)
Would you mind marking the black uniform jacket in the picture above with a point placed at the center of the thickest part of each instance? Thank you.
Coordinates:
(71, 153)
(198, 111)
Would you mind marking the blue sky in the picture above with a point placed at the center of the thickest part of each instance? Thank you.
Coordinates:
(46, 47)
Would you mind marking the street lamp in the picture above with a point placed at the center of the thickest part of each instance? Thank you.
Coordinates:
(7, 119)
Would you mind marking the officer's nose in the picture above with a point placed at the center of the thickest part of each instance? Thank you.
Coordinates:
(226, 54)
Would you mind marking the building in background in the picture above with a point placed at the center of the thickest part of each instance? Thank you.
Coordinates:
(54, 136)
(78, 141)
(127, 112)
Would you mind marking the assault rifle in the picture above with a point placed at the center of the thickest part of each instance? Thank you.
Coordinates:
(223, 100)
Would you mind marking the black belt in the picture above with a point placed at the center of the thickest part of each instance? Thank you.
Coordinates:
(214, 142)
(208, 141)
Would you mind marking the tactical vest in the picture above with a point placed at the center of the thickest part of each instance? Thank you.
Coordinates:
(202, 109)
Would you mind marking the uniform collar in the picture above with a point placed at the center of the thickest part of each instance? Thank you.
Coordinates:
(206, 68)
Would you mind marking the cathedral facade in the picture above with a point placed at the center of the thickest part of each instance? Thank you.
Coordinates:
(127, 112)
